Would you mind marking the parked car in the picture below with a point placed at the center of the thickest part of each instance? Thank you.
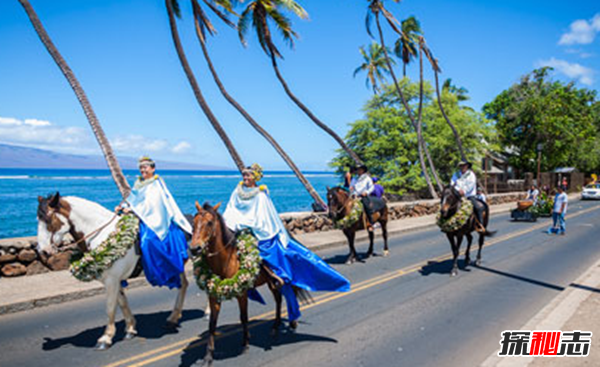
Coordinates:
(591, 191)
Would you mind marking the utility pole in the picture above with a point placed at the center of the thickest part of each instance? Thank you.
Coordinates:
(539, 162)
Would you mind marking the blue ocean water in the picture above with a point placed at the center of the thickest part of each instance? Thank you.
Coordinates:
(19, 189)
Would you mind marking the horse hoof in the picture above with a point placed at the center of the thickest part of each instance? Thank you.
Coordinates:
(478, 262)
(386, 253)
(130, 335)
(293, 325)
(207, 362)
(350, 260)
(102, 346)
(245, 349)
(368, 255)
(454, 273)
(170, 326)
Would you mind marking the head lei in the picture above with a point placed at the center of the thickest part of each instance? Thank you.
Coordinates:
(146, 161)
(256, 171)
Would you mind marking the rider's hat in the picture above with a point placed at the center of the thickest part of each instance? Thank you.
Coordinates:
(464, 163)
(362, 166)
(146, 161)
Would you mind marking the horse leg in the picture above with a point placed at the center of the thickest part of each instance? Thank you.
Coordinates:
(278, 298)
(215, 307)
(175, 316)
(243, 304)
(130, 330)
(350, 234)
(454, 271)
(371, 241)
(112, 294)
(384, 232)
(481, 241)
(468, 253)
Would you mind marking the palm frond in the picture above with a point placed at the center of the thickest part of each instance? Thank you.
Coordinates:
(218, 12)
(176, 8)
(244, 23)
(201, 21)
(292, 6)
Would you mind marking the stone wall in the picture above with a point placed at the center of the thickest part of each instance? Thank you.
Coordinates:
(305, 222)
(19, 256)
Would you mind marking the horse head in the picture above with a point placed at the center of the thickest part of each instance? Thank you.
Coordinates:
(337, 197)
(54, 222)
(207, 225)
(449, 201)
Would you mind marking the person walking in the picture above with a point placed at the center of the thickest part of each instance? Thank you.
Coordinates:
(559, 212)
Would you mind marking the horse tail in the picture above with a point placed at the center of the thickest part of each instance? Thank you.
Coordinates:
(303, 296)
(487, 233)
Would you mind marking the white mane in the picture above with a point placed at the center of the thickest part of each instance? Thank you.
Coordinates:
(87, 216)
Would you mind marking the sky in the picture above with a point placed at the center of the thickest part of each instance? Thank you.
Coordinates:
(122, 53)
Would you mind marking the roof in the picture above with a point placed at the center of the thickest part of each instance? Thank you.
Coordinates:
(565, 170)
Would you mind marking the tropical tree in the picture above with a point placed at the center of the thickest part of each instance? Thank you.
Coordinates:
(374, 65)
(375, 9)
(461, 93)
(203, 27)
(406, 47)
(172, 11)
(258, 14)
(109, 156)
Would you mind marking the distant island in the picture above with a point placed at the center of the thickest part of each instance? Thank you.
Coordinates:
(13, 156)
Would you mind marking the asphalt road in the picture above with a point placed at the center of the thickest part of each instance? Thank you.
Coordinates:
(403, 310)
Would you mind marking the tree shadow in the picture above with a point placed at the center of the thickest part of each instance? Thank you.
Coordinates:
(522, 278)
(442, 267)
(341, 259)
(149, 326)
(584, 287)
(229, 344)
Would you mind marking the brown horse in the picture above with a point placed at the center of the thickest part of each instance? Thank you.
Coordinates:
(340, 205)
(211, 232)
(449, 205)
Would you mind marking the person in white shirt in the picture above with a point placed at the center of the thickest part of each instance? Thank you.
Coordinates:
(561, 202)
(532, 194)
(362, 188)
(480, 195)
(465, 182)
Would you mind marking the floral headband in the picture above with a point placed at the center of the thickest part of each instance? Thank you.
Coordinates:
(256, 171)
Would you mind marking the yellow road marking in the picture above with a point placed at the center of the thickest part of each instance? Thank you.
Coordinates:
(321, 299)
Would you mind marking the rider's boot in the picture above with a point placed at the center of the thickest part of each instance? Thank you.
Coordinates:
(273, 278)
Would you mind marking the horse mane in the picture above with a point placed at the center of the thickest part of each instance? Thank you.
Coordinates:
(224, 227)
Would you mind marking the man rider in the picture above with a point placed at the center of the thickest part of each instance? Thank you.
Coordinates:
(465, 182)
(363, 187)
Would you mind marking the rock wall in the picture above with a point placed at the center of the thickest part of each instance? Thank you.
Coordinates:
(19, 256)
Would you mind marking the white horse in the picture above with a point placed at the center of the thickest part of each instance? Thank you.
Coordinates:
(58, 216)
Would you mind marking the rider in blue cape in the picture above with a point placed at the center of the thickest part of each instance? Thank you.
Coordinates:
(163, 241)
(251, 207)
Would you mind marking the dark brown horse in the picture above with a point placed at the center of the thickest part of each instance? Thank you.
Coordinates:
(340, 205)
(449, 205)
(210, 231)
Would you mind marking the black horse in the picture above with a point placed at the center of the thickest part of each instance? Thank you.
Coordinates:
(449, 205)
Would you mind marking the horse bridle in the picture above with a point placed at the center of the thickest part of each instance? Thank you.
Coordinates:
(212, 233)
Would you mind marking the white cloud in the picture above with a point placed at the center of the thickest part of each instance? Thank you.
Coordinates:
(40, 132)
(181, 147)
(576, 71)
(581, 31)
(138, 144)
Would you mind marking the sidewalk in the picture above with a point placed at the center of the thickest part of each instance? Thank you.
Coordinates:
(29, 292)
(576, 308)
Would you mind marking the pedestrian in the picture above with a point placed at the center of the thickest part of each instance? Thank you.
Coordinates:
(379, 190)
(559, 212)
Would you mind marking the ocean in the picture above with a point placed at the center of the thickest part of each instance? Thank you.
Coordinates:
(19, 189)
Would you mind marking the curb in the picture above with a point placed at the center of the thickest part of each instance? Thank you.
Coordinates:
(553, 316)
(141, 282)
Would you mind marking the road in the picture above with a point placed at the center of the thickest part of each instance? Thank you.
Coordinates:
(403, 310)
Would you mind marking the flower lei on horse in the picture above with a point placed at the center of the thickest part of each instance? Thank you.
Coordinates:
(91, 265)
(352, 217)
(458, 220)
(241, 281)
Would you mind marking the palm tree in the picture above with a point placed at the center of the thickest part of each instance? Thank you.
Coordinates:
(436, 70)
(203, 26)
(374, 65)
(259, 13)
(376, 8)
(406, 45)
(172, 10)
(461, 93)
(107, 151)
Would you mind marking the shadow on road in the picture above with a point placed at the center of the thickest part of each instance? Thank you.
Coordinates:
(149, 326)
(584, 287)
(522, 278)
(230, 345)
(441, 267)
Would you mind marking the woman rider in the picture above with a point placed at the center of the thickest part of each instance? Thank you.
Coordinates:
(251, 207)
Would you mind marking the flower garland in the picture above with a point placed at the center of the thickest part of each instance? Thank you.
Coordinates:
(458, 220)
(352, 217)
(225, 289)
(91, 265)
(247, 193)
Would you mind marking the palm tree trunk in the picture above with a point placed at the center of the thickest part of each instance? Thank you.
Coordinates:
(314, 118)
(404, 69)
(196, 88)
(109, 156)
(432, 191)
(439, 98)
(307, 185)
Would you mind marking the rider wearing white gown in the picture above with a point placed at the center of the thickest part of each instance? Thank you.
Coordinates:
(250, 207)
